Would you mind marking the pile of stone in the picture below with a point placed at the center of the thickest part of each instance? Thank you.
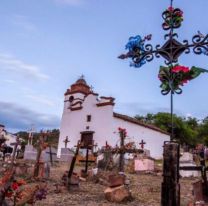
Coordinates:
(117, 190)
(74, 181)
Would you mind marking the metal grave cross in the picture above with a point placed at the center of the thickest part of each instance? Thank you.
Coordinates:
(142, 143)
(172, 77)
(140, 53)
(66, 141)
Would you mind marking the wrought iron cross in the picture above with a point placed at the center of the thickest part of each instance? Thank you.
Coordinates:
(140, 53)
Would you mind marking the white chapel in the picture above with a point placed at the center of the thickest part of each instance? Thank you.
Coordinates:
(86, 112)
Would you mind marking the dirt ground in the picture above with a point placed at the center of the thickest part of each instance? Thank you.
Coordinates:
(145, 190)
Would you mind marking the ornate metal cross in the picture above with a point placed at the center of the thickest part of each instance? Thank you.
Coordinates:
(172, 78)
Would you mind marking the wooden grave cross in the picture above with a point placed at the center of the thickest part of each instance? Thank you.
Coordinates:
(86, 160)
(47, 134)
(123, 149)
(41, 146)
(71, 169)
(51, 155)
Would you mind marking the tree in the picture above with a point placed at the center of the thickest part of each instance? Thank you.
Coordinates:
(203, 131)
(185, 130)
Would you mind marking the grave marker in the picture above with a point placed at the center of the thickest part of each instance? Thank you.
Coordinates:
(66, 141)
(15, 150)
(142, 143)
(123, 149)
(41, 146)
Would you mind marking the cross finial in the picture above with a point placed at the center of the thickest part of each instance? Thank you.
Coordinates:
(91, 88)
(82, 76)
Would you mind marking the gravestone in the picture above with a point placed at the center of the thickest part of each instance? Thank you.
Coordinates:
(144, 164)
(146, 153)
(187, 160)
(66, 155)
(30, 153)
(48, 154)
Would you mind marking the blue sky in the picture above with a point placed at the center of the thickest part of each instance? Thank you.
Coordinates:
(47, 44)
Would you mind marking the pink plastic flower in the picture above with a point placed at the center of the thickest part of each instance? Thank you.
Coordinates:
(170, 8)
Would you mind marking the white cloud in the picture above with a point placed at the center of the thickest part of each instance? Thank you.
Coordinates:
(70, 2)
(10, 81)
(23, 22)
(41, 99)
(10, 63)
(17, 117)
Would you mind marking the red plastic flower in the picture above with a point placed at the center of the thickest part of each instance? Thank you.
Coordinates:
(184, 81)
(15, 186)
(122, 131)
(179, 68)
(8, 194)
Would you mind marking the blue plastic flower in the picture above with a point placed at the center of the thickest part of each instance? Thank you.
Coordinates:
(137, 65)
(135, 42)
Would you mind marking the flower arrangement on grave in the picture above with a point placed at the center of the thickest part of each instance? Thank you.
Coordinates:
(122, 131)
(19, 191)
(130, 145)
(107, 146)
(15, 190)
(176, 76)
(172, 18)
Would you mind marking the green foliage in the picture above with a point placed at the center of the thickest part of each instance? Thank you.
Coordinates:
(52, 138)
(186, 130)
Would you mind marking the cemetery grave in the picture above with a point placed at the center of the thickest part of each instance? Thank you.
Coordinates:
(41, 179)
(124, 174)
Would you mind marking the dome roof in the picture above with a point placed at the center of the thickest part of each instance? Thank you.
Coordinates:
(80, 86)
(81, 80)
